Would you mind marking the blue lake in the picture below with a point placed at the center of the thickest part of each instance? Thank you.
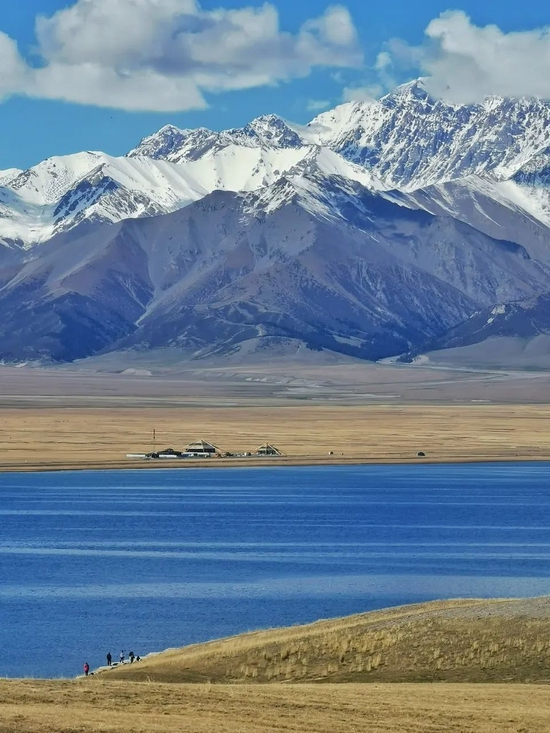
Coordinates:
(145, 560)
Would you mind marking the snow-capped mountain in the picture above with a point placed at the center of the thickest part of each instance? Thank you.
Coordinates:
(61, 193)
(374, 230)
(406, 141)
(411, 140)
(177, 146)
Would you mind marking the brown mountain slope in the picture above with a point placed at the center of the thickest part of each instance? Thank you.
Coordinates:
(452, 641)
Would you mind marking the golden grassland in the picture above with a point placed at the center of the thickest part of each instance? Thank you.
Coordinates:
(480, 640)
(450, 641)
(93, 706)
(64, 437)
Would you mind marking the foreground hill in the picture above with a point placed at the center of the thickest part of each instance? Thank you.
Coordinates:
(465, 640)
(452, 641)
(91, 705)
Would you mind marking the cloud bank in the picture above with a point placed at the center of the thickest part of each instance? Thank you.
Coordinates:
(164, 55)
(169, 55)
(465, 63)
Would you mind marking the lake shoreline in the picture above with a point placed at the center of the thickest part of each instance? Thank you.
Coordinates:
(437, 606)
(433, 626)
(98, 561)
(298, 461)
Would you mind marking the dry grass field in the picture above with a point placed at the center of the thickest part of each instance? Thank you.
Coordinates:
(449, 641)
(94, 437)
(94, 706)
(66, 418)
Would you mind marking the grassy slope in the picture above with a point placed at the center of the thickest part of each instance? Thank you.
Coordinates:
(453, 641)
(457, 640)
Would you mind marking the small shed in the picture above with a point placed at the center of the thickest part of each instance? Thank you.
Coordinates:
(169, 453)
(201, 448)
(166, 453)
(268, 450)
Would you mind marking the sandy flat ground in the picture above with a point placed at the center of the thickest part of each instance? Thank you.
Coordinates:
(92, 706)
(356, 383)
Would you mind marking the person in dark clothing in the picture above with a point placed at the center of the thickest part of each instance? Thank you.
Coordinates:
(86, 668)
(132, 657)
(122, 657)
(109, 659)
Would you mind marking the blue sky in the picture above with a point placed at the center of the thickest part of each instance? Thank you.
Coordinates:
(101, 74)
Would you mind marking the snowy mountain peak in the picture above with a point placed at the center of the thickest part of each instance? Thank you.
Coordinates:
(413, 91)
(45, 182)
(410, 140)
(172, 130)
(359, 112)
(341, 117)
(162, 144)
(177, 146)
(269, 130)
(405, 142)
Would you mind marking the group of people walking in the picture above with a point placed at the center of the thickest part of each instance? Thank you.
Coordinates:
(121, 660)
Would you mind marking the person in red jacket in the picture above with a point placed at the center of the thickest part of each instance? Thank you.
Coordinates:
(86, 668)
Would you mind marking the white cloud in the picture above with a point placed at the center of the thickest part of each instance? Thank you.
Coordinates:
(13, 71)
(317, 105)
(335, 27)
(163, 55)
(463, 62)
(362, 94)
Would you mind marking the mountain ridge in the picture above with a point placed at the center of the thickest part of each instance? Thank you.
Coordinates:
(373, 231)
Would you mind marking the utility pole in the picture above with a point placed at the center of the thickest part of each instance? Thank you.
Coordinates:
(154, 440)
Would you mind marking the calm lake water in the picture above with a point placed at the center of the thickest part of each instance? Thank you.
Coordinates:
(145, 560)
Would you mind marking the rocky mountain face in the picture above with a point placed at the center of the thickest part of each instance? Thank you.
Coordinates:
(524, 319)
(378, 229)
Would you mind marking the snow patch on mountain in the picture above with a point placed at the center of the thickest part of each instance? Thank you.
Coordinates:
(60, 193)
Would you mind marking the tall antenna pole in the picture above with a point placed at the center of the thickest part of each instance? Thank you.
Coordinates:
(154, 440)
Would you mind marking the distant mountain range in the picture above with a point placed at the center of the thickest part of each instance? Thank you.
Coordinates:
(380, 229)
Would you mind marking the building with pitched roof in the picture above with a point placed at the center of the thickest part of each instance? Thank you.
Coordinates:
(268, 450)
(201, 449)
